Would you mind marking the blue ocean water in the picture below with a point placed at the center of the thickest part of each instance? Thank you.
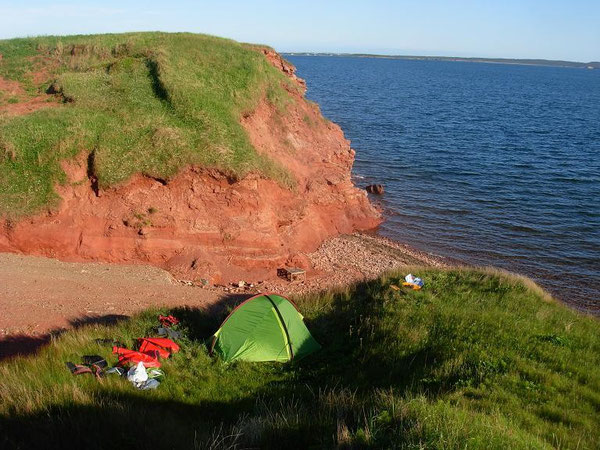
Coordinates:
(489, 164)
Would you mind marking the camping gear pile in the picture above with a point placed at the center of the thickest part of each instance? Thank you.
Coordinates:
(167, 322)
(411, 281)
(149, 352)
(266, 327)
(134, 363)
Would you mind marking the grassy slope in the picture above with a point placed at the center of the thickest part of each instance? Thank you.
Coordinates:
(142, 102)
(475, 360)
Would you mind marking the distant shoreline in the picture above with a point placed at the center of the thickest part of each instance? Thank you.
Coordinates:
(520, 62)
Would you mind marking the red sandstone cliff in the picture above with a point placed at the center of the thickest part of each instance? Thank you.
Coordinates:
(203, 225)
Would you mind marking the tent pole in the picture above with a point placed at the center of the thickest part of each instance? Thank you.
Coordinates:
(287, 335)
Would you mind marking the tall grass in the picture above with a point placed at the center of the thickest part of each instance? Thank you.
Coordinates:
(477, 359)
(142, 102)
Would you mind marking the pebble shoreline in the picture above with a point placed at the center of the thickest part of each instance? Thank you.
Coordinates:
(344, 260)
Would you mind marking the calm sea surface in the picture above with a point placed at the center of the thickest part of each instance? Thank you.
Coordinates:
(489, 164)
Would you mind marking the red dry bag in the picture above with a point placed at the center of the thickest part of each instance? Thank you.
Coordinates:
(163, 346)
(131, 356)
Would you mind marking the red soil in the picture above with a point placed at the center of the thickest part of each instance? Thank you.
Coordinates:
(25, 104)
(202, 225)
(38, 295)
(41, 297)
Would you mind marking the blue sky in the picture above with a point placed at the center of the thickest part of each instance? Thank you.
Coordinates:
(502, 28)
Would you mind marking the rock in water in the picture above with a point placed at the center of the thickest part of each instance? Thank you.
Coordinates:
(375, 189)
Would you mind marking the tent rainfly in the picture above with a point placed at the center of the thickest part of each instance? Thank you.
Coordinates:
(266, 327)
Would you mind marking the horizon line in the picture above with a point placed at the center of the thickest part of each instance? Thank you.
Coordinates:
(453, 58)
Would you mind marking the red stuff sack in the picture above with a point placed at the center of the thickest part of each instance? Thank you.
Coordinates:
(165, 343)
(131, 356)
(163, 346)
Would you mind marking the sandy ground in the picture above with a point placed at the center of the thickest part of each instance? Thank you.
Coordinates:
(41, 296)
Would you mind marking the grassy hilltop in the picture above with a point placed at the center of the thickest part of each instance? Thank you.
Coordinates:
(477, 359)
(138, 102)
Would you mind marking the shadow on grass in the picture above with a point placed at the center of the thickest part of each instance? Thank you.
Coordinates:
(119, 420)
(22, 344)
(140, 421)
(26, 344)
(353, 335)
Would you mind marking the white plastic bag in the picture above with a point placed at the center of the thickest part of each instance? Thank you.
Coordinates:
(413, 280)
(137, 374)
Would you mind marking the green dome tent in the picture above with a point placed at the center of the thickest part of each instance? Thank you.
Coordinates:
(266, 327)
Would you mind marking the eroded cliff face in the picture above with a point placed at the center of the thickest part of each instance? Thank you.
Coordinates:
(203, 225)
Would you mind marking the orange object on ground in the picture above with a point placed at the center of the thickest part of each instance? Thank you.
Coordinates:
(163, 346)
(416, 287)
(126, 356)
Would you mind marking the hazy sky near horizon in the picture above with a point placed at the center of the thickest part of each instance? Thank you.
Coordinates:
(551, 29)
